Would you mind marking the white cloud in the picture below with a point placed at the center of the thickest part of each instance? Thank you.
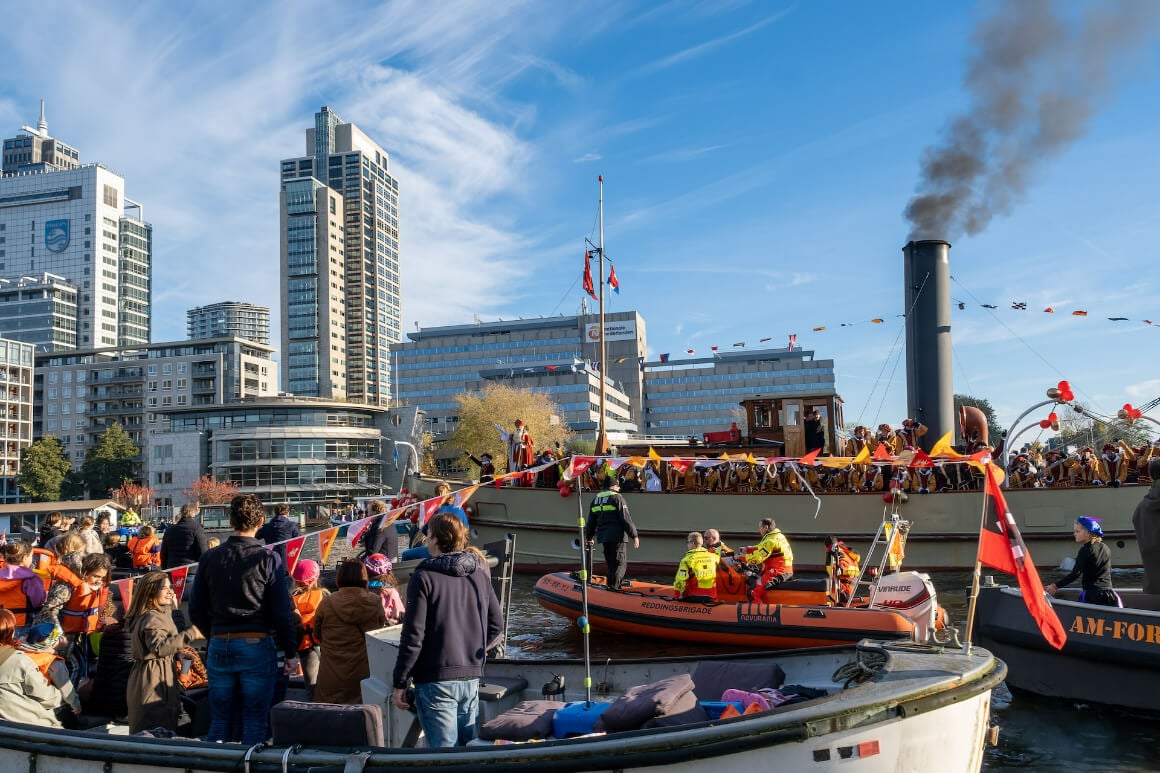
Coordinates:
(587, 158)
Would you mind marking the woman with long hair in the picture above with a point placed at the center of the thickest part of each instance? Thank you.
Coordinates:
(154, 695)
(340, 622)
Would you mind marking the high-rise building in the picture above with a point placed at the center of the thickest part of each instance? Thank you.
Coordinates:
(39, 310)
(229, 318)
(35, 151)
(342, 157)
(15, 414)
(74, 221)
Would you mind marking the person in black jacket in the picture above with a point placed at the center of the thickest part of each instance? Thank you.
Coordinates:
(610, 524)
(240, 601)
(279, 529)
(453, 618)
(1093, 566)
(184, 541)
(382, 536)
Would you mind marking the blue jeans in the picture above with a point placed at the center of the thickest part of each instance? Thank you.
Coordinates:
(447, 711)
(241, 672)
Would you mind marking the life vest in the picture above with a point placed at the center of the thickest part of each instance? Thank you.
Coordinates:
(82, 612)
(142, 549)
(43, 660)
(842, 564)
(307, 605)
(43, 560)
(700, 566)
(15, 600)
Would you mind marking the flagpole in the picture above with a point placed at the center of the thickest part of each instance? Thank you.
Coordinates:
(601, 434)
(976, 575)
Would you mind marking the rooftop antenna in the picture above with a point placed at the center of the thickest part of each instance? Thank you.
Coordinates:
(42, 124)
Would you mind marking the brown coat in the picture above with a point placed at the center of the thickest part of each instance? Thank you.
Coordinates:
(153, 694)
(339, 624)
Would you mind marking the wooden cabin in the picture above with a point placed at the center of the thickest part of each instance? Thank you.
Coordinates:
(780, 421)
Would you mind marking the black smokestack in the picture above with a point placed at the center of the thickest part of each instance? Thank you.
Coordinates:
(1035, 80)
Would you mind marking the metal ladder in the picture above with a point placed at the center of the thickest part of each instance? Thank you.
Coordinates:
(889, 532)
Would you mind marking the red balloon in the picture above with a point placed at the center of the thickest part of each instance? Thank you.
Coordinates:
(565, 489)
(1044, 424)
(1051, 417)
(1064, 386)
(1128, 407)
(1066, 395)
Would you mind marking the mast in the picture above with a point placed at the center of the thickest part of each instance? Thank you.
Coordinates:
(601, 433)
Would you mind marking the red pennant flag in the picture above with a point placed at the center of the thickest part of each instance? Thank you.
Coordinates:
(881, 454)
(613, 282)
(588, 287)
(125, 588)
(921, 460)
(680, 465)
(1079, 313)
(326, 540)
(1001, 547)
(357, 529)
(293, 550)
(578, 465)
(690, 351)
(809, 458)
(1049, 310)
(714, 348)
(177, 580)
(429, 506)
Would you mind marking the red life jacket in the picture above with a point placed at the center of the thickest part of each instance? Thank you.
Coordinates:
(15, 600)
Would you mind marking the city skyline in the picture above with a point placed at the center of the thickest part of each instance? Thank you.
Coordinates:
(757, 161)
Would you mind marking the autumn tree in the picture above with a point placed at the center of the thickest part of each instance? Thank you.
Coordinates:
(109, 463)
(480, 412)
(43, 467)
(208, 490)
(132, 495)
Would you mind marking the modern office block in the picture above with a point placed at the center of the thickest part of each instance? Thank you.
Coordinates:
(229, 319)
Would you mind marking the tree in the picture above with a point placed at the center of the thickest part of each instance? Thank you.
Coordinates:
(132, 495)
(109, 463)
(994, 428)
(1081, 429)
(43, 467)
(480, 412)
(208, 490)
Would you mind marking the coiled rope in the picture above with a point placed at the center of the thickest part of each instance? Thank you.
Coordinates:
(864, 666)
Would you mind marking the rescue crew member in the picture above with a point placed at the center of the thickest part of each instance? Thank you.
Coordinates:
(21, 589)
(772, 555)
(714, 543)
(610, 524)
(696, 578)
(842, 565)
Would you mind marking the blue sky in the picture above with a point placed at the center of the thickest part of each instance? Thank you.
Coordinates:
(757, 159)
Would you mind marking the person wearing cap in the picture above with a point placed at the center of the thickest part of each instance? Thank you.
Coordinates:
(1093, 566)
(239, 600)
(340, 625)
(610, 524)
(486, 468)
(307, 596)
(381, 580)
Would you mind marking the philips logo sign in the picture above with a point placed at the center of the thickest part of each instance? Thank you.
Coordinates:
(56, 235)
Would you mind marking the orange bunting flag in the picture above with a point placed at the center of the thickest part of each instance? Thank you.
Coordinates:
(881, 454)
(177, 580)
(819, 329)
(862, 457)
(125, 588)
(652, 454)
(293, 550)
(1078, 313)
(326, 539)
(877, 320)
(808, 459)
(724, 455)
(464, 494)
(943, 447)
(1049, 310)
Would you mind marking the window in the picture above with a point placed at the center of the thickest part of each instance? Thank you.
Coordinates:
(167, 384)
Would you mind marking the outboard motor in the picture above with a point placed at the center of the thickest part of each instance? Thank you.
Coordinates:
(912, 595)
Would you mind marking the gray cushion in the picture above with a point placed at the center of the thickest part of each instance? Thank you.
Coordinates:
(686, 711)
(642, 703)
(713, 677)
(528, 720)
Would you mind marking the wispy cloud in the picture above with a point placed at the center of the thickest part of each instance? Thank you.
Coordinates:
(587, 158)
(681, 154)
(701, 49)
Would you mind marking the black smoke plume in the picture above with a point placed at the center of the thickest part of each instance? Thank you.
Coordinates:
(1035, 80)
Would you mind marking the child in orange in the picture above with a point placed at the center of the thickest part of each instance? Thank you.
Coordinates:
(306, 598)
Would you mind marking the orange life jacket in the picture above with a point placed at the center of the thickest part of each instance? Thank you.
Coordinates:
(83, 611)
(43, 660)
(142, 550)
(15, 600)
(43, 560)
(307, 605)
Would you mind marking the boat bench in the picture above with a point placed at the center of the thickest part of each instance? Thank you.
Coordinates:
(499, 694)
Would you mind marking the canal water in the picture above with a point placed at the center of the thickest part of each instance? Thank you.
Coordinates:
(1035, 735)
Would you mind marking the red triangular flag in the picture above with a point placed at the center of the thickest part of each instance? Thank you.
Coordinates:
(921, 460)
(1001, 547)
(429, 506)
(680, 465)
(177, 580)
(881, 454)
(588, 287)
(293, 550)
(809, 458)
(356, 530)
(125, 588)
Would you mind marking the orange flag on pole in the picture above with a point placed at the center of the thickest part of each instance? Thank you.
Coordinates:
(881, 454)
(809, 458)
